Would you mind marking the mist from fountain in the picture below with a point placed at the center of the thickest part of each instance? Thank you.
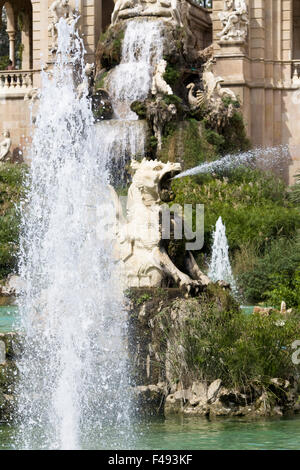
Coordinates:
(73, 384)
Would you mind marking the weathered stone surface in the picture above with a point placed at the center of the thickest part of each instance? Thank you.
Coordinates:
(150, 399)
(213, 390)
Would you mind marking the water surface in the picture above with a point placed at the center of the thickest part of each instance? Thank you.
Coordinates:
(8, 318)
(202, 434)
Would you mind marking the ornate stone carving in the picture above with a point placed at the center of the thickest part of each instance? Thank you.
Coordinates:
(212, 97)
(168, 9)
(195, 99)
(159, 85)
(235, 21)
(33, 95)
(5, 145)
(159, 113)
(140, 245)
(59, 9)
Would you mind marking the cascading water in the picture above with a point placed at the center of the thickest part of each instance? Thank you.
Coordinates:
(125, 136)
(73, 384)
(219, 267)
(131, 80)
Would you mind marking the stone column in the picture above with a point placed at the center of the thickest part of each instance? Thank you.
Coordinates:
(12, 36)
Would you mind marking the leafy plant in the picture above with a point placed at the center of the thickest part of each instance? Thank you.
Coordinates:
(11, 190)
(295, 194)
(241, 350)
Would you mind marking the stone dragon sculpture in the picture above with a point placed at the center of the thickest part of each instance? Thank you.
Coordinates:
(140, 247)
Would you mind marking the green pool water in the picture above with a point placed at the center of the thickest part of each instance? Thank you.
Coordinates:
(8, 318)
(192, 434)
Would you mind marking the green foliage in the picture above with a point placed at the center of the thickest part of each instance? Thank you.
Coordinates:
(171, 75)
(284, 287)
(187, 145)
(237, 348)
(172, 99)
(253, 205)
(234, 136)
(139, 108)
(100, 82)
(110, 46)
(143, 298)
(270, 277)
(4, 61)
(295, 194)
(11, 191)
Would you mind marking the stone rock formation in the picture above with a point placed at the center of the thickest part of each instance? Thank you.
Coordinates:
(5, 145)
(139, 240)
(235, 21)
(168, 9)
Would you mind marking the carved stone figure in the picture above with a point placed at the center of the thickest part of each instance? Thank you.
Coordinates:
(159, 85)
(32, 95)
(59, 9)
(159, 114)
(140, 244)
(167, 9)
(195, 99)
(5, 145)
(212, 98)
(235, 21)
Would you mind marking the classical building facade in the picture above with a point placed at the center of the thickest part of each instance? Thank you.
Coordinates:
(256, 47)
(264, 71)
(33, 18)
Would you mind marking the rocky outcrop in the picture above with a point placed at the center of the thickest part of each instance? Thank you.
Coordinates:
(215, 400)
(166, 383)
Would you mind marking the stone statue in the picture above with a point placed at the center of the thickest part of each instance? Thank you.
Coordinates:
(33, 94)
(159, 86)
(168, 9)
(59, 9)
(195, 99)
(159, 113)
(5, 145)
(235, 21)
(212, 97)
(140, 245)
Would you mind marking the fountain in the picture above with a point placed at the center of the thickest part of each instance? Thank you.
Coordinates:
(219, 267)
(73, 373)
(263, 158)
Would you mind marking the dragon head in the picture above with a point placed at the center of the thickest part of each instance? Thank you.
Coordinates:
(153, 179)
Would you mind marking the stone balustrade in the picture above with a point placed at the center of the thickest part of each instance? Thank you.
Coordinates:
(16, 82)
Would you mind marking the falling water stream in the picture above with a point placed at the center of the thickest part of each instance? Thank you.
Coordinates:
(73, 373)
(124, 136)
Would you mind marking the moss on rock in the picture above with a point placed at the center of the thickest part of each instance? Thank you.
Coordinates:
(109, 48)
